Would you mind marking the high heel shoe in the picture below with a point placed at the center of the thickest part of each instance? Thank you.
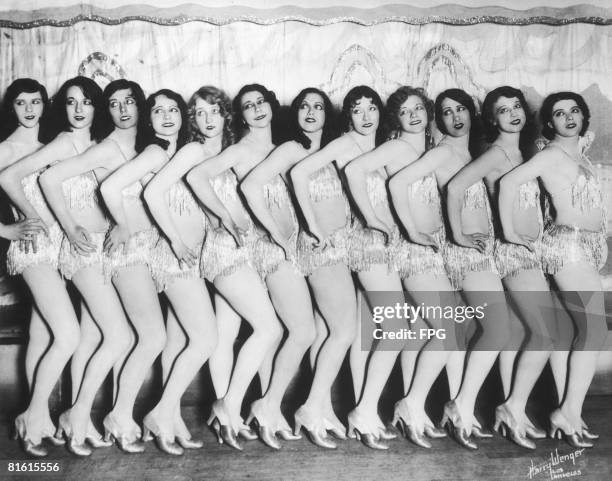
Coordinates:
(317, 435)
(287, 435)
(64, 428)
(478, 432)
(355, 426)
(534, 432)
(164, 442)
(95, 439)
(586, 432)
(49, 435)
(189, 443)
(334, 426)
(452, 419)
(127, 442)
(506, 424)
(266, 431)
(220, 422)
(405, 419)
(559, 425)
(31, 448)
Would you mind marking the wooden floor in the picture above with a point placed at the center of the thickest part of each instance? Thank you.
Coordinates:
(496, 459)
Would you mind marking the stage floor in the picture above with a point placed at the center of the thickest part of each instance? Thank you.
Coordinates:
(496, 459)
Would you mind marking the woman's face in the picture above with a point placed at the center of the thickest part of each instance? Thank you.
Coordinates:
(456, 118)
(412, 115)
(509, 114)
(208, 118)
(365, 116)
(311, 113)
(28, 108)
(123, 109)
(80, 109)
(256, 110)
(567, 118)
(166, 117)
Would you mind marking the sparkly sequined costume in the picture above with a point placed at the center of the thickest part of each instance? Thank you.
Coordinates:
(367, 246)
(164, 265)
(220, 254)
(323, 185)
(511, 259)
(138, 248)
(81, 192)
(414, 259)
(564, 244)
(268, 255)
(47, 246)
(461, 260)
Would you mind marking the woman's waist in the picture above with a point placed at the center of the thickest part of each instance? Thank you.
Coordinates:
(92, 219)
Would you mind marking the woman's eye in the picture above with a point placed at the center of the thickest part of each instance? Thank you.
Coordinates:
(356, 111)
(303, 107)
(214, 111)
(157, 111)
(70, 102)
(447, 112)
(420, 107)
(373, 108)
(114, 105)
(559, 113)
(503, 110)
(200, 113)
(130, 101)
(260, 101)
(19, 102)
(460, 108)
(248, 106)
(173, 110)
(576, 110)
(319, 107)
(87, 102)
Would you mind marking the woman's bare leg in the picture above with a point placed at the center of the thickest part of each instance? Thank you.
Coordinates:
(38, 342)
(221, 361)
(90, 339)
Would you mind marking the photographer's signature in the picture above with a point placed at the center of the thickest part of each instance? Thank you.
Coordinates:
(558, 466)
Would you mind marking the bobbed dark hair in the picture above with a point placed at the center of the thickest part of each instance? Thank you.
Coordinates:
(350, 100)
(462, 97)
(395, 102)
(90, 90)
(491, 131)
(137, 93)
(8, 118)
(239, 124)
(213, 96)
(546, 112)
(149, 136)
(330, 128)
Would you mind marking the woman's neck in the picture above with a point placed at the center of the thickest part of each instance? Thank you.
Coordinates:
(365, 142)
(172, 140)
(81, 135)
(315, 139)
(125, 137)
(508, 140)
(569, 144)
(416, 140)
(214, 143)
(261, 136)
(462, 142)
(26, 135)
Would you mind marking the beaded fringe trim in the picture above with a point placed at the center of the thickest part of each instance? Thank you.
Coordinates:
(166, 268)
(47, 252)
(512, 259)
(311, 257)
(136, 251)
(412, 259)
(565, 244)
(460, 261)
(70, 262)
(221, 256)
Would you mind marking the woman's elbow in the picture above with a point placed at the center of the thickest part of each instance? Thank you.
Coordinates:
(46, 179)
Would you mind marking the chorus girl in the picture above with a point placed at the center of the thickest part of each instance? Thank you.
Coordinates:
(505, 117)
(319, 192)
(573, 246)
(129, 245)
(165, 132)
(33, 251)
(421, 267)
(228, 255)
(267, 194)
(472, 269)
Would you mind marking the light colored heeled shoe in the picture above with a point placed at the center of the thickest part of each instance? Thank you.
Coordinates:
(30, 447)
(318, 435)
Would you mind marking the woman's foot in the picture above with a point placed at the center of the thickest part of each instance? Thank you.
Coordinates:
(183, 436)
(30, 437)
(315, 425)
(365, 428)
(163, 430)
(411, 422)
(125, 432)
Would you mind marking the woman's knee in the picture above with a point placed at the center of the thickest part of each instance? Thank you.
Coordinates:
(153, 341)
(68, 340)
(303, 334)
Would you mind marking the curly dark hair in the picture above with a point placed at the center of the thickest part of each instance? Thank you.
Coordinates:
(239, 123)
(90, 90)
(213, 96)
(139, 96)
(394, 103)
(8, 119)
(330, 128)
(546, 112)
(462, 97)
(491, 131)
(149, 137)
(350, 101)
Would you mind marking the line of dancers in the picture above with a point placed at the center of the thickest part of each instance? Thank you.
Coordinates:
(128, 197)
